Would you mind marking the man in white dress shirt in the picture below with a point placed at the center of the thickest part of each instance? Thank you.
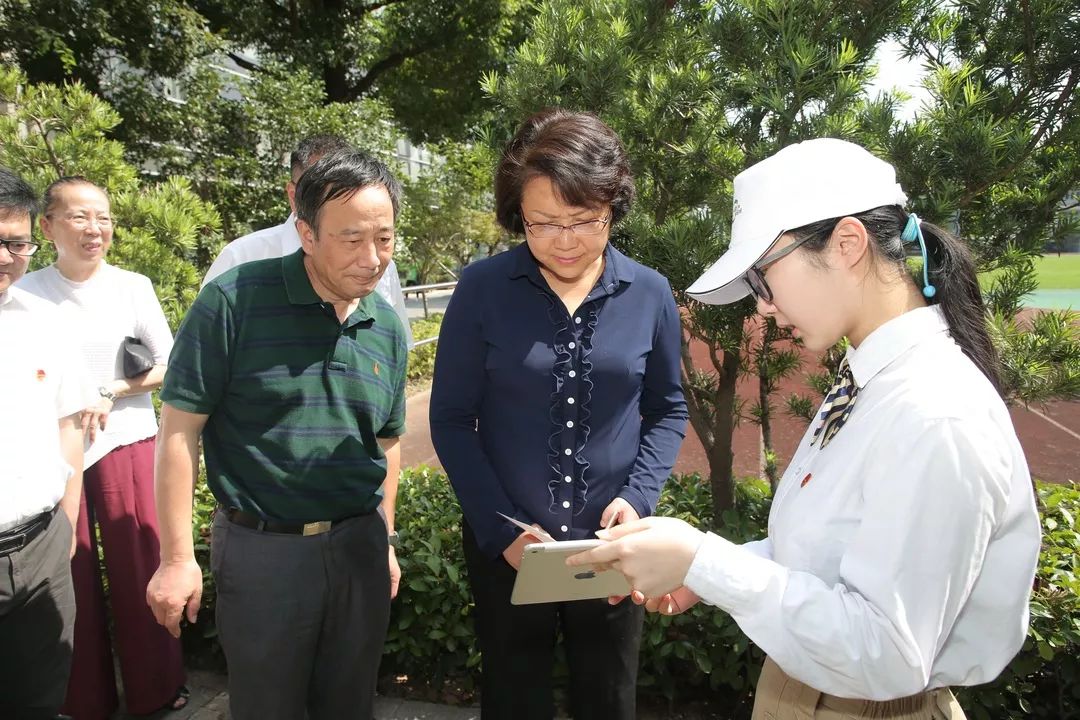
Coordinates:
(40, 481)
(283, 239)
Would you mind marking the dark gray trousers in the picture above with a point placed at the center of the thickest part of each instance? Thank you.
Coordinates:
(37, 620)
(302, 620)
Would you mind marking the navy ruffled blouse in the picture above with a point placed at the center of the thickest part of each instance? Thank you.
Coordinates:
(547, 417)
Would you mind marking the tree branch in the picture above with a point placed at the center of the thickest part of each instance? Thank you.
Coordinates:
(391, 61)
(376, 5)
(243, 62)
(57, 165)
(1048, 121)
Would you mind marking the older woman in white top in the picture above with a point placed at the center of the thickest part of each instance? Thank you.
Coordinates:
(103, 305)
(903, 536)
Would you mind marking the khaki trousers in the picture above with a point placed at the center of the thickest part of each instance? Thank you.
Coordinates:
(781, 697)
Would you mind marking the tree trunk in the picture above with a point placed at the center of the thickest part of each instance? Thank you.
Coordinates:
(768, 467)
(336, 83)
(721, 456)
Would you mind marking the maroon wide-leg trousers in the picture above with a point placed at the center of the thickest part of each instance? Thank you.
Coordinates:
(118, 494)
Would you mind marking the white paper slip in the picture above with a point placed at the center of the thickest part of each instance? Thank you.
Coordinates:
(542, 534)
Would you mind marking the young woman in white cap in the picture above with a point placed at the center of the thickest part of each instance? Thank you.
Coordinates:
(903, 536)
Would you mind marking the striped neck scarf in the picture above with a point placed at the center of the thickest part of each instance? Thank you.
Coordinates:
(838, 405)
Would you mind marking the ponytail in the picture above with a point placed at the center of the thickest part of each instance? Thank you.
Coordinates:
(952, 272)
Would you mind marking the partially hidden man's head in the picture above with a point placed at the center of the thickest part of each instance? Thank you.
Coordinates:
(306, 154)
(18, 209)
(346, 205)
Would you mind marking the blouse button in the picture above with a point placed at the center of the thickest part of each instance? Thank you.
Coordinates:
(569, 401)
(569, 423)
(564, 528)
(567, 451)
(573, 373)
(566, 503)
(572, 345)
(567, 478)
(577, 320)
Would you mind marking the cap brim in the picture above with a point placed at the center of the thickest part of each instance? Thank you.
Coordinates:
(724, 282)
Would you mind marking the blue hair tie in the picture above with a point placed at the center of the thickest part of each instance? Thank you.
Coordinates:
(913, 232)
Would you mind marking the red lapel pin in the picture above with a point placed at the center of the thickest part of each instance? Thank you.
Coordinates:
(805, 480)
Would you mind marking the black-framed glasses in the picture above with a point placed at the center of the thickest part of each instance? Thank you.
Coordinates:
(24, 248)
(548, 231)
(755, 276)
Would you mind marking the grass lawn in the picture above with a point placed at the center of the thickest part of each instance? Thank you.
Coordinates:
(1059, 273)
(1053, 272)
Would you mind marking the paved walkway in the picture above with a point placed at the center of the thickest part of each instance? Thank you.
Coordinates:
(1050, 434)
(210, 701)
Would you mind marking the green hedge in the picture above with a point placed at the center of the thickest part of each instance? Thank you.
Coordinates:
(422, 359)
(701, 654)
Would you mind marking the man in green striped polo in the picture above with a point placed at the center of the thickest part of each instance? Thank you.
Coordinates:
(292, 370)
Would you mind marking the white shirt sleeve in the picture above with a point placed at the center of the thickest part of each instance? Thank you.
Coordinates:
(73, 392)
(927, 520)
(225, 261)
(397, 299)
(151, 326)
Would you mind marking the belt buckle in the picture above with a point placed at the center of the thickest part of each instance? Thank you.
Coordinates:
(316, 528)
(12, 544)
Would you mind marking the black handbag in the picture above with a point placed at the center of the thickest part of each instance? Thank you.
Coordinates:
(137, 358)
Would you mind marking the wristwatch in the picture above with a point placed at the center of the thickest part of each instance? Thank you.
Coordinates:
(394, 539)
(104, 392)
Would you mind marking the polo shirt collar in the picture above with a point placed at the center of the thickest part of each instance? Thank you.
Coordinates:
(297, 282)
(893, 339)
(617, 267)
(300, 292)
(5, 297)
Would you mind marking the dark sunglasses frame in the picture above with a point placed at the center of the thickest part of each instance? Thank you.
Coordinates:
(755, 276)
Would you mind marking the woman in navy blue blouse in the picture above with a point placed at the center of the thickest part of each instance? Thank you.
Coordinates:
(557, 400)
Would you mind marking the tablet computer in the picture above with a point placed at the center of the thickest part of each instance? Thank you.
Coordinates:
(545, 577)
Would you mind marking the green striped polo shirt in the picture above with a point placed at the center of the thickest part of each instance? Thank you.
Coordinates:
(296, 398)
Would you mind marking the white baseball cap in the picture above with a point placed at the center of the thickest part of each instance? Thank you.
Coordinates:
(803, 183)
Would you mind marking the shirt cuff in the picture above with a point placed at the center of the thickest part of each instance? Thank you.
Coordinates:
(189, 406)
(727, 575)
(637, 501)
(391, 430)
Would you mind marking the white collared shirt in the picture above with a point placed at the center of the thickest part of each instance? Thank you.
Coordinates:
(40, 386)
(281, 240)
(901, 556)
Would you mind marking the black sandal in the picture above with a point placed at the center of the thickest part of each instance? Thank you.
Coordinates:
(179, 701)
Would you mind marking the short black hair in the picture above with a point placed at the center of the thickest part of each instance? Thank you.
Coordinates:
(17, 198)
(314, 147)
(583, 158)
(342, 174)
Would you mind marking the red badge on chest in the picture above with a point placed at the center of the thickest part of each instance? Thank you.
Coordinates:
(805, 480)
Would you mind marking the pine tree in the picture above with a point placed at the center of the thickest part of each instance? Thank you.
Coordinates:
(163, 230)
(701, 89)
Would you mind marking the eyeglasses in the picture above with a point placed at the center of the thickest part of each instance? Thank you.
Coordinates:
(24, 248)
(755, 276)
(548, 231)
